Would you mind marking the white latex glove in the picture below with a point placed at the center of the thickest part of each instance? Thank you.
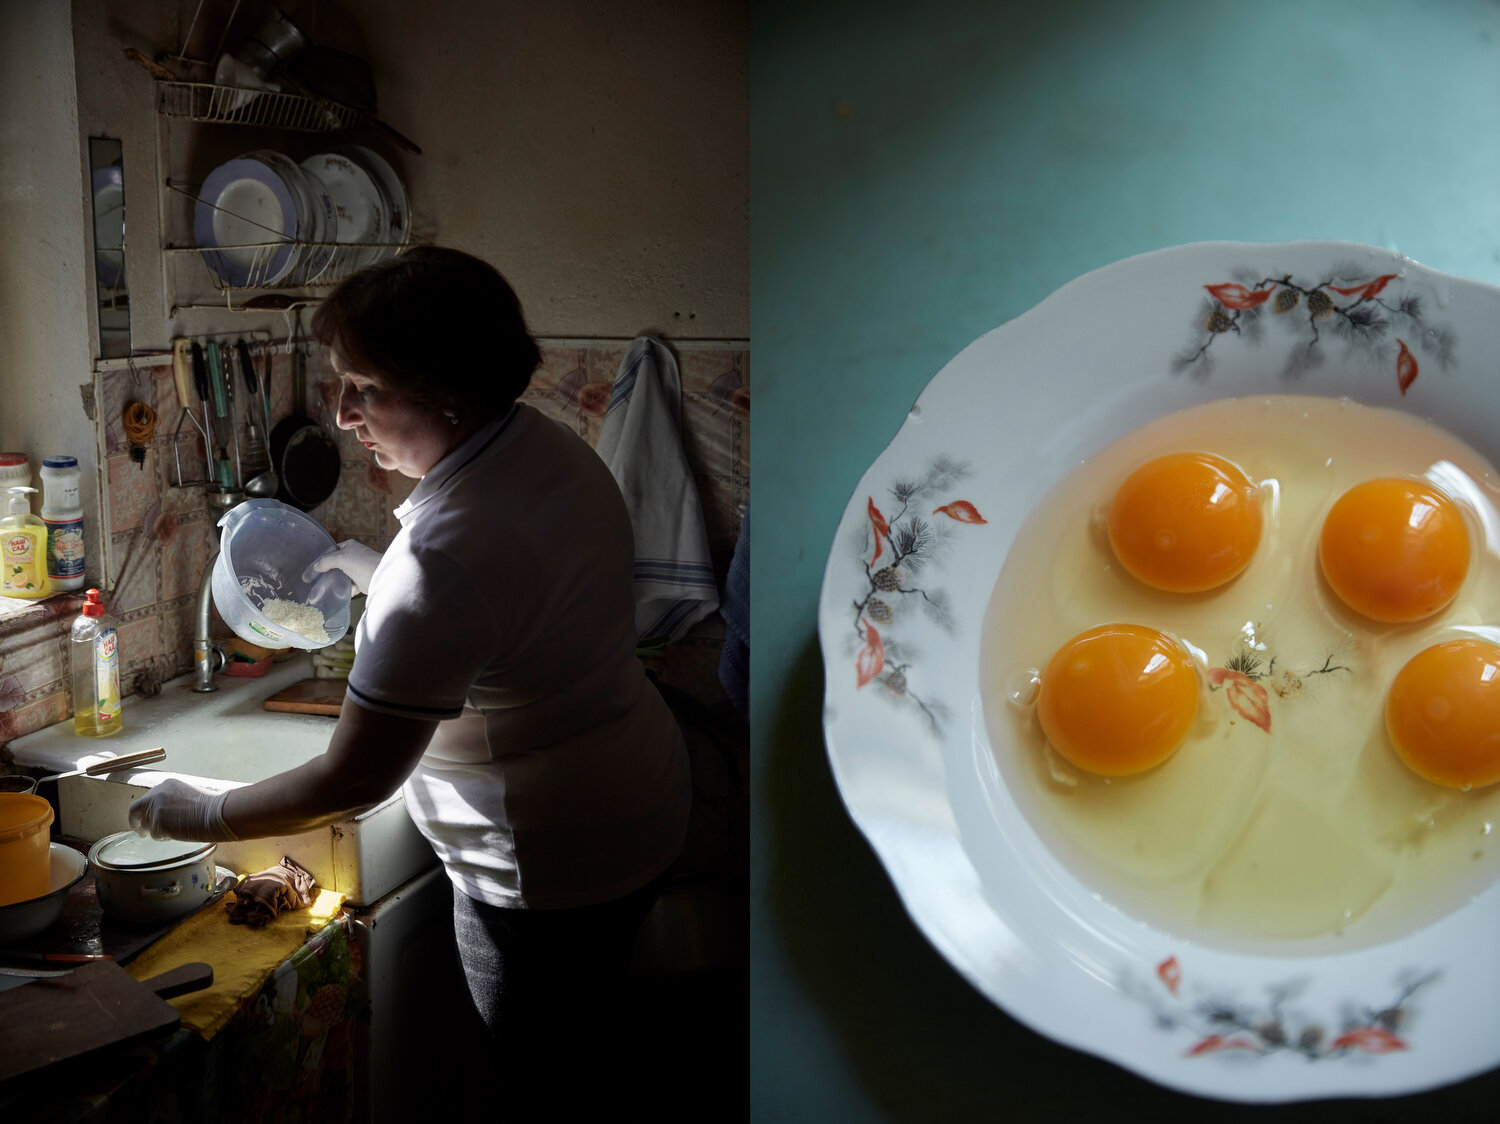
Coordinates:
(175, 809)
(355, 559)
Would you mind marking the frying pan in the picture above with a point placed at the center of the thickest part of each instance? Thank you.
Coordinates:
(303, 453)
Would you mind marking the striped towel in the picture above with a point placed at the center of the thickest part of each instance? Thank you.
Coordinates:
(640, 440)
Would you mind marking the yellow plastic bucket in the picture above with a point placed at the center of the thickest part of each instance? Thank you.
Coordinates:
(25, 850)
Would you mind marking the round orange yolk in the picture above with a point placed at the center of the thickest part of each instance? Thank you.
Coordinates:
(1186, 522)
(1118, 699)
(1394, 550)
(1443, 714)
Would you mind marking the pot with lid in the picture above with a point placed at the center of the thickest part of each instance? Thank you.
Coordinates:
(145, 881)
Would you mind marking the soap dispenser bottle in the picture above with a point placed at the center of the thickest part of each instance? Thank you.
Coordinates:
(96, 671)
(23, 549)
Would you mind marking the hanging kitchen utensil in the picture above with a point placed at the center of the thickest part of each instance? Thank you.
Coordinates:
(217, 460)
(182, 378)
(304, 455)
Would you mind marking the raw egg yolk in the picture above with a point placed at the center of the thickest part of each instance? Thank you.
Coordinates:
(1118, 699)
(1443, 713)
(1186, 522)
(1394, 550)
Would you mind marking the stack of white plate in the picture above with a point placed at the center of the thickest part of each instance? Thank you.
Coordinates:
(370, 199)
(264, 220)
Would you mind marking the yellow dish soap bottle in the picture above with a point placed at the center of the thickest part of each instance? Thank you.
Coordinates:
(23, 549)
(96, 671)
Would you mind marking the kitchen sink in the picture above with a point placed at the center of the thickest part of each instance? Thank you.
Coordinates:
(224, 739)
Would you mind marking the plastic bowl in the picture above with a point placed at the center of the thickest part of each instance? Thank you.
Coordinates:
(266, 553)
(26, 919)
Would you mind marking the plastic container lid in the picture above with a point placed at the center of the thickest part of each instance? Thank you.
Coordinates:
(10, 460)
(128, 851)
(60, 462)
(92, 606)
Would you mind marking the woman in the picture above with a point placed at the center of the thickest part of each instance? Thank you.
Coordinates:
(495, 675)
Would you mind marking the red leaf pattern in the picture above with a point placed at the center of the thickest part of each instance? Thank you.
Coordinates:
(1406, 367)
(1216, 1042)
(1170, 973)
(881, 528)
(1231, 294)
(1370, 1039)
(962, 510)
(1368, 289)
(1249, 698)
(871, 657)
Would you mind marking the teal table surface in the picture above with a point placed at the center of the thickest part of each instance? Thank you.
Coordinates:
(921, 173)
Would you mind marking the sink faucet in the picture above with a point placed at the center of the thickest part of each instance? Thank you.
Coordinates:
(208, 653)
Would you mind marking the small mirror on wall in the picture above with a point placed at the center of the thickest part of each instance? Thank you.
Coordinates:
(107, 166)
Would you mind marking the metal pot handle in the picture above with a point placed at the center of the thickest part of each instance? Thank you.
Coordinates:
(170, 890)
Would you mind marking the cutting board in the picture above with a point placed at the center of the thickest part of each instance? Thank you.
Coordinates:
(311, 696)
(97, 1005)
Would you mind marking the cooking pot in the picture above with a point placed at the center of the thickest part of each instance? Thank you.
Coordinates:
(152, 881)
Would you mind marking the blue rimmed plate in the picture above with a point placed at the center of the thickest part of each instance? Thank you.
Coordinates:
(245, 222)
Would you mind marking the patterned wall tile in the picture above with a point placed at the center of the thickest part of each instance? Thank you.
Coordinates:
(706, 436)
(702, 369)
(136, 582)
(175, 635)
(602, 364)
(46, 711)
(140, 644)
(557, 364)
(132, 491)
(184, 553)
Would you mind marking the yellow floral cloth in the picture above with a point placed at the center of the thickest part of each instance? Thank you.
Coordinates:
(242, 958)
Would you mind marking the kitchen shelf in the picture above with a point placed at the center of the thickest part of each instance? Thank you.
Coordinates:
(235, 105)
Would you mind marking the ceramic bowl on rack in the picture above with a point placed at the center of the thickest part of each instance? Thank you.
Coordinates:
(927, 756)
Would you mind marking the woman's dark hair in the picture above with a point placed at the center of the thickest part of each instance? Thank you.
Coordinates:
(437, 325)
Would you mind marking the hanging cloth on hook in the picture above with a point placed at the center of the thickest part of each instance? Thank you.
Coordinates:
(640, 440)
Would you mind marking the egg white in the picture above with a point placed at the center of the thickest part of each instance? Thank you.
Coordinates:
(1312, 826)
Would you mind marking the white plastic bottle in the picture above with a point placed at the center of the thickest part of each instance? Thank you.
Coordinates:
(96, 671)
(62, 511)
(15, 471)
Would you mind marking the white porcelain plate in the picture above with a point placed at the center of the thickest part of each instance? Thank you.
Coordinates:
(392, 190)
(245, 221)
(992, 432)
(356, 198)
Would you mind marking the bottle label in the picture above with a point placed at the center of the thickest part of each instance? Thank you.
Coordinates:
(107, 675)
(60, 491)
(65, 556)
(20, 569)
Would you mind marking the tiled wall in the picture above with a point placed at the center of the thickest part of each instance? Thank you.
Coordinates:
(161, 535)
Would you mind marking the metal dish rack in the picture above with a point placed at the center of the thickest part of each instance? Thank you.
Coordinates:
(256, 267)
(235, 105)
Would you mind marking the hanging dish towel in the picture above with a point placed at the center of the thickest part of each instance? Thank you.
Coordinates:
(640, 440)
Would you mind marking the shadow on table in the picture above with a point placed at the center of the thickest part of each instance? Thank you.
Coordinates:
(924, 1044)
